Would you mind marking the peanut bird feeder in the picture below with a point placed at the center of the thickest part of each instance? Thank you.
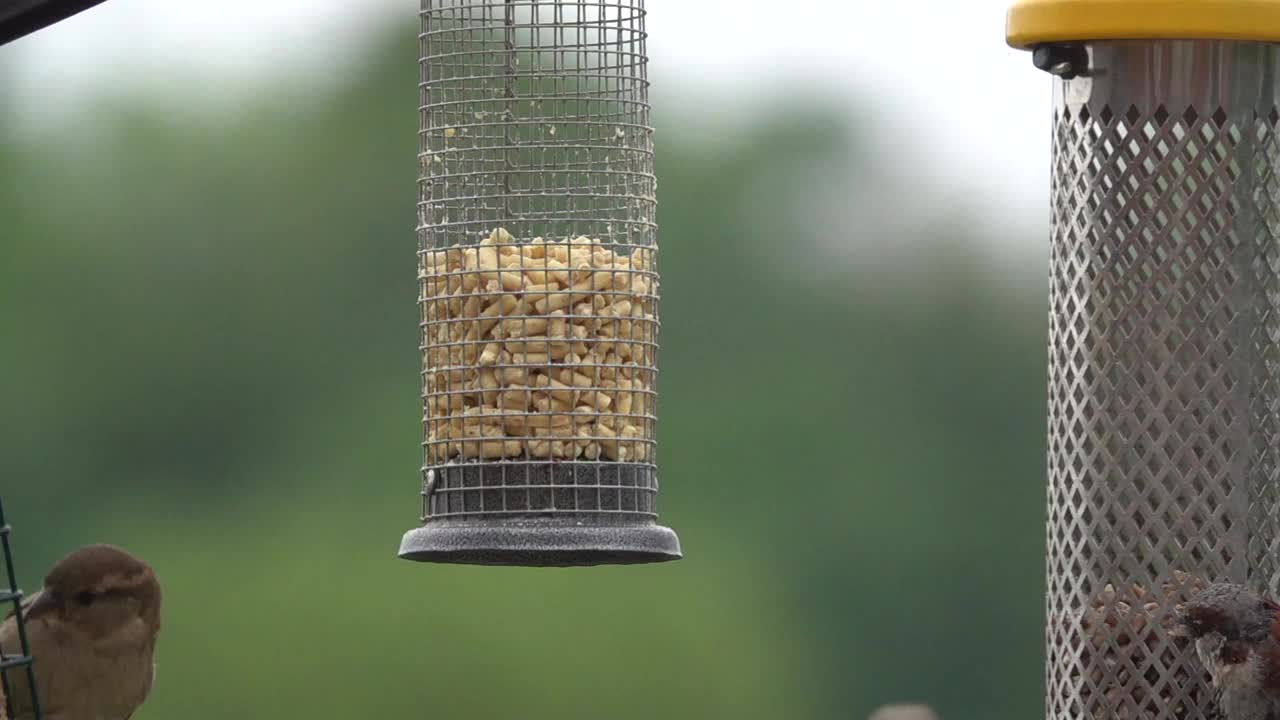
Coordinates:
(538, 286)
(1164, 334)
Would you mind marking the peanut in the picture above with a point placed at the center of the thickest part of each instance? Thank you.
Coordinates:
(537, 349)
(549, 303)
(527, 327)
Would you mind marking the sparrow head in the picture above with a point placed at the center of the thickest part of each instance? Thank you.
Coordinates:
(99, 589)
(1231, 612)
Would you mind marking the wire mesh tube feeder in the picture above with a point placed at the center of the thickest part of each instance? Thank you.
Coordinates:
(1164, 334)
(538, 286)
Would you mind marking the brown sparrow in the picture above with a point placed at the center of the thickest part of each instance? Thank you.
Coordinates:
(1237, 638)
(92, 631)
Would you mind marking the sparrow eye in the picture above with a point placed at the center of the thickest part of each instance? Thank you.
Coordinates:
(85, 598)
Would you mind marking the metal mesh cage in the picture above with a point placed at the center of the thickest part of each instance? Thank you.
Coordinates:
(12, 658)
(539, 286)
(1164, 443)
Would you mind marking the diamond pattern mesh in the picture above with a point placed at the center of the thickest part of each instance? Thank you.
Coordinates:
(1163, 360)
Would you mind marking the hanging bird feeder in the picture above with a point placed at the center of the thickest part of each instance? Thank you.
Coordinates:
(1164, 334)
(539, 286)
(14, 657)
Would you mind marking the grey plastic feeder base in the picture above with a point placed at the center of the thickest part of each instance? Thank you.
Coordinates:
(539, 542)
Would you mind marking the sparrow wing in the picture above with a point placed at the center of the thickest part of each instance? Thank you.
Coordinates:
(54, 706)
(20, 693)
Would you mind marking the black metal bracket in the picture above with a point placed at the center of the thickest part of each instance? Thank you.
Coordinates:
(1066, 60)
(19, 18)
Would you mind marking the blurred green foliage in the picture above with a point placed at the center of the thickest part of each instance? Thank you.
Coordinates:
(209, 358)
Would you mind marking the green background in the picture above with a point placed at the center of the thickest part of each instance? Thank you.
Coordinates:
(208, 357)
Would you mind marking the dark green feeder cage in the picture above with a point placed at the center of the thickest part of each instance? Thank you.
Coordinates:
(15, 662)
(19, 18)
(538, 286)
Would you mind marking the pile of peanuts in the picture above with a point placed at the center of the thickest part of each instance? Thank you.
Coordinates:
(538, 350)
(1122, 628)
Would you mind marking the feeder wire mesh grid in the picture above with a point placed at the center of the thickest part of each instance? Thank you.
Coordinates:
(12, 597)
(538, 285)
(1164, 363)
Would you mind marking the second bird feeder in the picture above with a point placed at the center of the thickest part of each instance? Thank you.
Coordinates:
(1164, 335)
(539, 286)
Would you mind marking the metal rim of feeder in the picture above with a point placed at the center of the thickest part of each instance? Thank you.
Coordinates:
(537, 244)
(1164, 316)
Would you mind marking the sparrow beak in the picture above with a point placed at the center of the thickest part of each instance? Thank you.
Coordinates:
(1179, 628)
(42, 603)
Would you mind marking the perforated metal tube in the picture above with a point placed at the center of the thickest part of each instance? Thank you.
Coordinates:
(539, 285)
(1164, 441)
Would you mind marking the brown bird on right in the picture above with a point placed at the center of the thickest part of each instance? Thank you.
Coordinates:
(1237, 639)
(92, 632)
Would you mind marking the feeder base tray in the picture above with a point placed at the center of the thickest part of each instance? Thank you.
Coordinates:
(539, 542)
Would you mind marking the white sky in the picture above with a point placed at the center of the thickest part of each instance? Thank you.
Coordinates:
(963, 108)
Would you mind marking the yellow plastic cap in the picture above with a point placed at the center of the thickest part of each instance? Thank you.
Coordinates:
(1031, 22)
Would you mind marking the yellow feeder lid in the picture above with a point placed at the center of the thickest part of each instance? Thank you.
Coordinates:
(1031, 22)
